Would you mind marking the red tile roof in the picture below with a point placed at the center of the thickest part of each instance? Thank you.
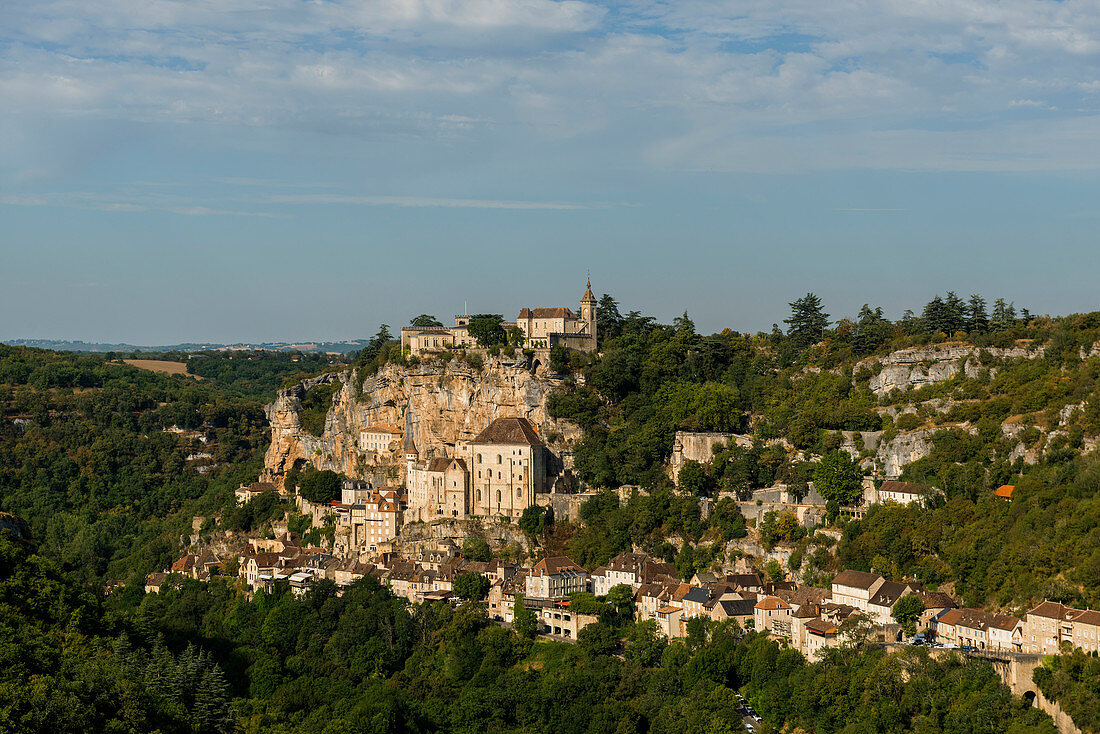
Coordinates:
(1005, 490)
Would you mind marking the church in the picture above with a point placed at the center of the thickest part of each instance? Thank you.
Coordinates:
(496, 474)
(543, 328)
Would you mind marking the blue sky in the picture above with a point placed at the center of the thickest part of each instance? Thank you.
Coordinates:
(238, 170)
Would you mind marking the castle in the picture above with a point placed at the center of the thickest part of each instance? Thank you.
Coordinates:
(496, 475)
(542, 328)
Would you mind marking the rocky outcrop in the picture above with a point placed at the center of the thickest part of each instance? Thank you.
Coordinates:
(16, 529)
(438, 405)
(905, 448)
(920, 366)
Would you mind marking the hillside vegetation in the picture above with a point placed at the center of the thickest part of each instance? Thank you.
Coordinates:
(1029, 420)
(94, 455)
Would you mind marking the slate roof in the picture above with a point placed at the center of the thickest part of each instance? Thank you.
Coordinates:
(737, 607)
(509, 431)
(888, 594)
(697, 595)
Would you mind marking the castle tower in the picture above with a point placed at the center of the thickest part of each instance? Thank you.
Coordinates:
(588, 312)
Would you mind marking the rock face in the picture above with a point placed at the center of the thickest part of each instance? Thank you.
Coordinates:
(904, 449)
(699, 446)
(921, 366)
(438, 405)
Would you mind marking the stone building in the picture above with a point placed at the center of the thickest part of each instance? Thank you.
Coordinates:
(496, 475)
(542, 328)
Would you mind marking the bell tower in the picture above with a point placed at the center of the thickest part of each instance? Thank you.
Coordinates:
(588, 313)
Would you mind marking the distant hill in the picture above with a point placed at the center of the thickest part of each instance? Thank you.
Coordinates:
(59, 345)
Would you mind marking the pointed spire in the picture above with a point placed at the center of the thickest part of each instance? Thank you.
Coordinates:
(588, 297)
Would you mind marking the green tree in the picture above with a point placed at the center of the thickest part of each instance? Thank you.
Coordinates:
(426, 321)
(320, 486)
(475, 548)
(535, 520)
(977, 320)
(524, 621)
(774, 570)
(608, 318)
(808, 320)
(693, 479)
(838, 477)
(486, 329)
(471, 586)
(597, 639)
(907, 611)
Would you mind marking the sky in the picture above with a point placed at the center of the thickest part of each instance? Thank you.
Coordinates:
(262, 170)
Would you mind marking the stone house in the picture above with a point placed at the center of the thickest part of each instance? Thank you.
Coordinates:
(1049, 625)
(979, 629)
(741, 610)
(542, 328)
(903, 493)
(500, 472)
(382, 441)
(856, 588)
(555, 578)
(880, 607)
(773, 615)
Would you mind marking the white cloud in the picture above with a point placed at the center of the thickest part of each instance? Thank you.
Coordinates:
(690, 85)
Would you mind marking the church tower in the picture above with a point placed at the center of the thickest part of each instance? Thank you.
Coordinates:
(588, 313)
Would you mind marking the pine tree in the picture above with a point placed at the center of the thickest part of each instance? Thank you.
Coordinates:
(954, 313)
(808, 320)
(977, 320)
(934, 315)
(1004, 315)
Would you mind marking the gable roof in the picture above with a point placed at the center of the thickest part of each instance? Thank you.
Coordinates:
(1005, 490)
(772, 602)
(737, 607)
(891, 485)
(697, 595)
(552, 312)
(856, 579)
(888, 593)
(821, 627)
(512, 431)
(555, 565)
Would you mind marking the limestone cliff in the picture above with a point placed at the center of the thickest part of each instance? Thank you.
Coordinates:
(921, 366)
(438, 405)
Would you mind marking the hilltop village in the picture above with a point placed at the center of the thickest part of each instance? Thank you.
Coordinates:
(458, 517)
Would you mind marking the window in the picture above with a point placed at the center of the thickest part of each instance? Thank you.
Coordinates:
(479, 458)
(479, 495)
(498, 496)
(500, 459)
(519, 493)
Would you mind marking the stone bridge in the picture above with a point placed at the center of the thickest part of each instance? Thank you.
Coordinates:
(1015, 669)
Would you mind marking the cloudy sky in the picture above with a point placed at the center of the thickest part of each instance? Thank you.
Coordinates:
(232, 170)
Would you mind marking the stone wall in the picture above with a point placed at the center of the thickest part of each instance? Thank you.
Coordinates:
(699, 447)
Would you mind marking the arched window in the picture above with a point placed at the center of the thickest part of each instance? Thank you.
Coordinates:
(500, 459)
(479, 495)
(479, 458)
(498, 496)
(519, 494)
